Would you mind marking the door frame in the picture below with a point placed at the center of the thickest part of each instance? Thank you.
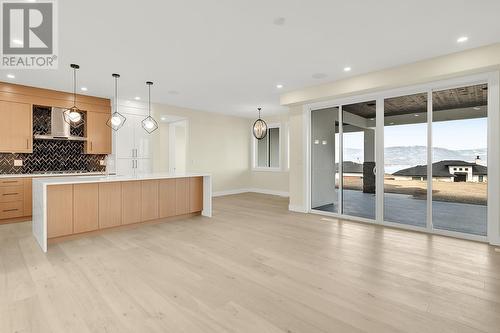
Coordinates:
(172, 147)
(493, 123)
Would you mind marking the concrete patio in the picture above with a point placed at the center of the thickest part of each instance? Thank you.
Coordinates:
(404, 209)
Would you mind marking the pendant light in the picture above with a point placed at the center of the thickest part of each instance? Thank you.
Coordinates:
(259, 128)
(73, 115)
(149, 124)
(116, 120)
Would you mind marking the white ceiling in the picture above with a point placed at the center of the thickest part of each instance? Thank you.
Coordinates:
(228, 55)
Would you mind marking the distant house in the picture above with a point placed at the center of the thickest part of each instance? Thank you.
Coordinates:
(448, 170)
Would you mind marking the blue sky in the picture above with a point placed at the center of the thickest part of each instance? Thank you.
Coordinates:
(452, 134)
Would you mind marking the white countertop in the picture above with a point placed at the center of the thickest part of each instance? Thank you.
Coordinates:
(113, 178)
(60, 174)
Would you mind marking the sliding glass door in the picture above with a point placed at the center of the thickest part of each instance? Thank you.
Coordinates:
(325, 149)
(405, 160)
(459, 159)
(433, 148)
(358, 159)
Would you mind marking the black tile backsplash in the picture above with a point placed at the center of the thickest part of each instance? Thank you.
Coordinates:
(51, 155)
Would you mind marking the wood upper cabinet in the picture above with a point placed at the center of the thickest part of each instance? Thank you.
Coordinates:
(59, 210)
(110, 205)
(131, 202)
(166, 198)
(98, 133)
(149, 200)
(16, 127)
(195, 194)
(85, 207)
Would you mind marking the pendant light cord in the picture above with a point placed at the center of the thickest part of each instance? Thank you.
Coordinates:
(116, 93)
(149, 100)
(74, 86)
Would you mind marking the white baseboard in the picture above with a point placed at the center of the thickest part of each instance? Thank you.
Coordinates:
(230, 192)
(271, 192)
(297, 209)
(252, 190)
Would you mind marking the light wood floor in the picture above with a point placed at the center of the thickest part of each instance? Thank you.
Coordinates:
(253, 267)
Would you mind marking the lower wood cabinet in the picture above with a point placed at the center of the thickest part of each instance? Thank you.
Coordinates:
(79, 208)
(181, 196)
(110, 205)
(166, 197)
(195, 194)
(149, 200)
(85, 207)
(59, 210)
(131, 202)
(28, 196)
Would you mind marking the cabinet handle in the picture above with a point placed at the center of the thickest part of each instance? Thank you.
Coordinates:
(90, 145)
(10, 194)
(9, 181)
(10, 210)
(27, 143)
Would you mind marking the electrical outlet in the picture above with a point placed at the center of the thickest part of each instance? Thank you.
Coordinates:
(18, 163)
(102, 162)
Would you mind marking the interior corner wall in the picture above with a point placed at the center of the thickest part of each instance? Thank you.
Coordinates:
(296, 181)
(216, 144)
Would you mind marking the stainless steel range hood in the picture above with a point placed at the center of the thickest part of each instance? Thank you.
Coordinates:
(60, 129)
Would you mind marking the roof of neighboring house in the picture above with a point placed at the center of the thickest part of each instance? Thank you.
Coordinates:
(440, 169)
(350, 167)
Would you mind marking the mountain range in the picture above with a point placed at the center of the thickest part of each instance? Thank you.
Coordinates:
(405, 156)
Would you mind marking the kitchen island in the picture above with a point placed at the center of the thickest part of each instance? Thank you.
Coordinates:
(69, 206)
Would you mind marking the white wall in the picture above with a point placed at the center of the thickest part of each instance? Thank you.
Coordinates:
(217, 144)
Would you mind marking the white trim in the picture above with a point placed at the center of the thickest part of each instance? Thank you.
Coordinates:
(266, 169)
(251, 190)
(493, 158)
(270, 192)
(306, 156)
(229, 192)
(430, 118)
(379, 159)
(255, 150)
(297, 209)
(493, 80)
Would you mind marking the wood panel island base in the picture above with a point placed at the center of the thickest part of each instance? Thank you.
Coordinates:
(66, 207)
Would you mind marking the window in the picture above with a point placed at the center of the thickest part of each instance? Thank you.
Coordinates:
(267, 150)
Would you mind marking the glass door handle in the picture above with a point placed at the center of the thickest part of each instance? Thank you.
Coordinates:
(375, 170)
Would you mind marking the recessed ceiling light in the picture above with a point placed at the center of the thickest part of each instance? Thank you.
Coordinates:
(477, 108)
(319, 76)
(391, 123)
(279, 86)
(11, 76)
(347, 69)
(462, 39)
(84, 88)
(279, 21)
(416, 115)
(137, 98)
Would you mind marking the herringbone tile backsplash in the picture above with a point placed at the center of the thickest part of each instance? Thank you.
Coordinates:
(51, 155)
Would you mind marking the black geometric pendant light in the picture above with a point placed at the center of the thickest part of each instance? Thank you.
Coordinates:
(116, 120)
(259, 128)
(149, 123)
(73, 115)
